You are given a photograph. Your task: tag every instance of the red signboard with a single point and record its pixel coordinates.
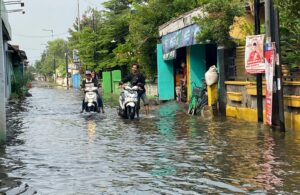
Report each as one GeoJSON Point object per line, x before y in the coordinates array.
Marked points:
{"type": "Point", "coordinates": [270, 63]}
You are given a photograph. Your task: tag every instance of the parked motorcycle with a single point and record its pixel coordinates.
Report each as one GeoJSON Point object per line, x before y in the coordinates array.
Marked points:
{"type": "Point", "coordinates": [128, 102]}
{"type": "Point", "coordinates": [90, 99]}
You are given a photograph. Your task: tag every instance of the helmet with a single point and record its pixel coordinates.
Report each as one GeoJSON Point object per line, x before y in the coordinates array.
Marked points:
{"type": "Point", "coordinates": [88, 72]}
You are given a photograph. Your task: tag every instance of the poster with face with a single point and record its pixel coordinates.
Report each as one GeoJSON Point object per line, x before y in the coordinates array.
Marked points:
{"type": "Point", "coordinates": [254, 54]}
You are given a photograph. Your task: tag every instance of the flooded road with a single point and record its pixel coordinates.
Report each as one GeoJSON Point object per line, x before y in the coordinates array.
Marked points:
{"type": "Point", "coordinates": [53, 149]}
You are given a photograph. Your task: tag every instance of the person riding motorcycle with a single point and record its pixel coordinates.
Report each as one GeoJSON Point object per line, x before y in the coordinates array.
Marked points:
{"type": "Point", "coordinates": [137, 79]}
{"type": "Point", "coordinates": [88, 82]}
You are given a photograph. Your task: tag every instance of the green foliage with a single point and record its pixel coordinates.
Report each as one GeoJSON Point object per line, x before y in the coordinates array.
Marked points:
{"type": "Point", "coordinates": [143, 37]}
{"type": "Point", "coordinates": [53, 58]}
{"type": "Point", "coordinates": [290, 31]}
{"type": "Point", "coordinates": [215, 27]}
{"type": "Point", "coordinates": [126, 32]}
{"type": "Point", "coordinates": [19, 83]}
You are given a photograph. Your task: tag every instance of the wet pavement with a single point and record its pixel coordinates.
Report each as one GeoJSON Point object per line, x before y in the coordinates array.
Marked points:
{"type": "Point", "coordinates": [53, 149]}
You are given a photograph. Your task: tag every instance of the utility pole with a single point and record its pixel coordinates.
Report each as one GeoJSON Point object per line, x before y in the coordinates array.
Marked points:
{"type": "Point", "coordinates": [67, 66]}
{"type": "Point", "coordinates": [54, 61]}
{"type": "Point", "coordinates": [94, 29]}
{"type": "Point", "coordinates": [260, 117]}
{"type": "Point", "coordinates": [78, 16]}
{"type": "Point", "coordinates": [267, 20]}
{"type": "Point", "coordinates": [279, 71]}
{"type": "Point", "coordinates": [272, 34]}
{"type": "Point", "coordinates": [78, 30]}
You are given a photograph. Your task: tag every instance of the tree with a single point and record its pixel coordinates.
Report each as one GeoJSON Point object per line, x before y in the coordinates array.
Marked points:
{"type": "Point", "coordinates": [101, 32]}
{"type": "Point", "coordinates": [220, 16]}
{"type": "Point", "coordinates": [125, 32]}
{"type": "Point", "coordinates": [52, 59]}
{"type": "Point", "coordinates": [145, 18]}
{"type": "Point", "coordinates": [290, 31]}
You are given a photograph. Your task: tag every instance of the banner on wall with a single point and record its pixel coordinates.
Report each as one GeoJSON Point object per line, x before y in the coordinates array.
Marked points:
{"type": "Point", "coordinates": [254, 54]}
{"type": "Point", "coordinates": [270, 53]}
{"type": "Point", "coordinates": [180, 38]}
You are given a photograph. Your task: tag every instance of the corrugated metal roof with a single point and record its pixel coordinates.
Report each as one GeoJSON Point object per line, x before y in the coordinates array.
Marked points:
{"type": "Point", "coordinates": [180, 22]}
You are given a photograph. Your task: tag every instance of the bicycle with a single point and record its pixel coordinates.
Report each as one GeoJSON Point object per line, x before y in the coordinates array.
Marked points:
{"type": "Point", "coordinates": [199, 98]}
{"type": "Point", "coordinates": [181, 92]}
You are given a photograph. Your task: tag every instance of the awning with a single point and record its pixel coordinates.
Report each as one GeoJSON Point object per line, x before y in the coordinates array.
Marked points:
{"type": "Point", "coordinates": [180, 38]}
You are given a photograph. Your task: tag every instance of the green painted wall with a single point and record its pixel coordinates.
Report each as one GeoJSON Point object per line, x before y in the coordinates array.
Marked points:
{"type": "Point", "coordinates": [165, 73]}
{"type": "Point", "coordinates": [116, 78]}
{"type": "Point", "coordinates": [197, 64]}
{"type": "Point", "coordinates": [107, 82]}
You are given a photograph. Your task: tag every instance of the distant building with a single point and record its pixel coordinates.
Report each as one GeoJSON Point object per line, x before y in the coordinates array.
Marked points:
{"type": "Point", "coordinates": [16, 65]}
{"type": "Point", "coordinates": [5, 36]}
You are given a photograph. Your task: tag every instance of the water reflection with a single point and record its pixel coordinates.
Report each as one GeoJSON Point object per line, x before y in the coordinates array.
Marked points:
{"type": "Point", "coordinates": [269, 175]}
{"type": "Point", "coordinates": [169, 153]}
{"type": "Point", "coordinates": [167, 119]}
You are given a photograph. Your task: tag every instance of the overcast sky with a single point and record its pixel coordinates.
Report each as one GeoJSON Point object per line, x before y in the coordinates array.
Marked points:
{"type": "Point", "coordinates": [58, 15]}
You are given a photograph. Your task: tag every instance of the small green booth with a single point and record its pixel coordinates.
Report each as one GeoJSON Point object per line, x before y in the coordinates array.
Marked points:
{"type": "Point", "coordinates": [179, 45]}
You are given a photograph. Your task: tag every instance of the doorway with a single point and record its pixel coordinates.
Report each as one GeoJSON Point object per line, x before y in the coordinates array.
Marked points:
{"type": "Point", "coordinates": [179, 73]}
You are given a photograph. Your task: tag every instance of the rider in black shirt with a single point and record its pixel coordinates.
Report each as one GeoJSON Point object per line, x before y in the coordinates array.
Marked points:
{"type": "Point", "coordinates": [90, 81]}
{"type": "Point", "coordinates": [137, 79]}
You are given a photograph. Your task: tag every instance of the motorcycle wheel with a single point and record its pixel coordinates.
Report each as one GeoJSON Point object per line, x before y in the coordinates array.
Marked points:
{"type": "Point", "coordinates": [137, 114]}
{"type": "Point", "coordinates": [194, 111]}
{"type": "Point", "coordinates": [119, 111]}
{"type": "Point", "coordinates": [130, 112]}
{"type": "Point", "coordinates": [191, 108]}
{"type": "Point", "coordinates": [88, 109]}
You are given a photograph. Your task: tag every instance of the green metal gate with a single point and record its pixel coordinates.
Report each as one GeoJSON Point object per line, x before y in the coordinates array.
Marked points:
{"type": "Point", "coordinates": [107, 82]}
{"type": "Point", "coordinates": [111, 81]}
{"type": "Point", "coordinates": [116, 78]}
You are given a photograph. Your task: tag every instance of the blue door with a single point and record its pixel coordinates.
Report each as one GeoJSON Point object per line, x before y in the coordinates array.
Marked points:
{"type": "Point", "coordinates": [165, 71]}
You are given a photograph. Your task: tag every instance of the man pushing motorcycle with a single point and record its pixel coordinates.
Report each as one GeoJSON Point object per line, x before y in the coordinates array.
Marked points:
{"type": "Point", "coordinates": [137, 79]}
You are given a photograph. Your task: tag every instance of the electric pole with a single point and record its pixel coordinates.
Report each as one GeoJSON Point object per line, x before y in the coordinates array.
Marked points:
{"type": "Point", "coordinates": [67, 65]}
{"type": "Point", "coordinates": [272, 34]}
{"type": "Point", "coordinates": [260, 117]}
{"type": "Point", "coordinates": [78, 16]}
{"type": "Point", "coordinates": [279, 71]}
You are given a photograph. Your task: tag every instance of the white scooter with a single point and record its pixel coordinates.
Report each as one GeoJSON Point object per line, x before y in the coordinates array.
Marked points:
{"type": "Point", "coordinates": [90, 99]}
{"type": "Point", "coordinates": [128, 102]}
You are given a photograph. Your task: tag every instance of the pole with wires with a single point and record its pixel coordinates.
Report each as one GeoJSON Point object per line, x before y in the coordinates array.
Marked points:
{"type": "Point", "coordinates": [67, 65]}
{"type": "Point", "coordinates": [78, 16]}
{"type": "Point", "coordinates": [258, 76]}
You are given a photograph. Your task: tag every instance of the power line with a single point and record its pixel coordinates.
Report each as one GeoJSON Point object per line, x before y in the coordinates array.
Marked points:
{"type": "Point", "coordinates": [34, 49]}
{"type": "Point", "coordinates": [39, 36]}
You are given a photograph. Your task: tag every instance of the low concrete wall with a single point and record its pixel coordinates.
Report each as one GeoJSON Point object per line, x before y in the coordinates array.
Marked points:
{"type": "Point", "coordinates": [63, 81]}
{"type": "Point", "coordinates": [242, 102]}
{"type": "Point", "coordinates": [151, 89]}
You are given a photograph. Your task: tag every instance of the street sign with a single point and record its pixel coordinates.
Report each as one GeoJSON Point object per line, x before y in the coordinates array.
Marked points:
{"type": "Point", "coordinates": [75, 56]}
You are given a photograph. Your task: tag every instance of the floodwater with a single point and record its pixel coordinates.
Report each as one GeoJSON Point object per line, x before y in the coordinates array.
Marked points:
{"type": "Point", "coordinates": [53, 149]}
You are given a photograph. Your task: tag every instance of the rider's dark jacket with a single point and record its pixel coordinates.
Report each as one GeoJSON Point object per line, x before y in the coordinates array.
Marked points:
{"type": "Point", "coordinates": [136, 80]}
{"type": "Point", "coordinates": [91, 83]}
